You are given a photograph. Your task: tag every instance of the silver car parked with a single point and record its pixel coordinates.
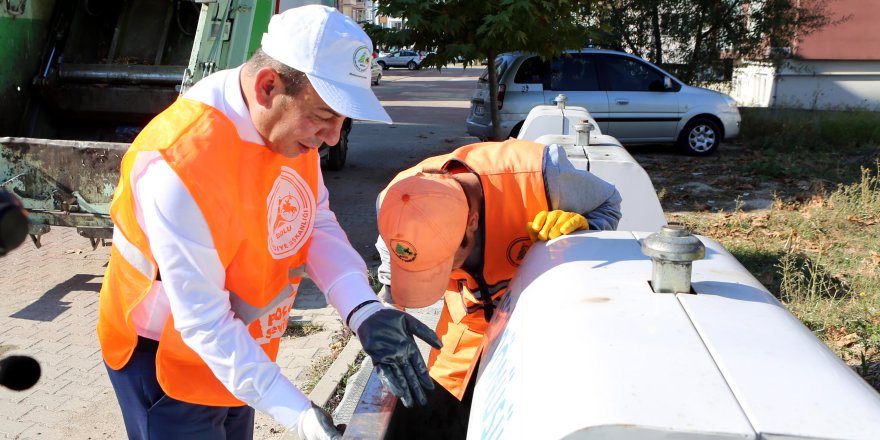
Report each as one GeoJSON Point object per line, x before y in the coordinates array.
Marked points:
{"type": "Point", "coordinates": [630, 98]}
{"type": "Point", "coordinates": [375, 72]}
{"type": "Point", "coordinates": [410, 59]}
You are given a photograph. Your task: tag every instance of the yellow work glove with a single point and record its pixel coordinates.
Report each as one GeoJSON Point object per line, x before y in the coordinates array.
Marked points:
{"type": "Point", "coordinates": [548, 225]}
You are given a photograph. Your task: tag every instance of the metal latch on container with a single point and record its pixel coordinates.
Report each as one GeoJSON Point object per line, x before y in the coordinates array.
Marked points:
{"type": "Point", "coordinates": [560, 100]}
{"type": "Point", "coordinates": [672, 250]}
{"type": "Point", "coordinates": [583, 130]}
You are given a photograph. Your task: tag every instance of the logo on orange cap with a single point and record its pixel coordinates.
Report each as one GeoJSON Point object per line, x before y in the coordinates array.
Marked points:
{"type": "Point", "coordinates": [404, 250]}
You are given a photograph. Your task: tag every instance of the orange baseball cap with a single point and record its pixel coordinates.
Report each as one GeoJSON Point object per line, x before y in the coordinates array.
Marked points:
{"type": "Point", "coordinates": [422, 220]}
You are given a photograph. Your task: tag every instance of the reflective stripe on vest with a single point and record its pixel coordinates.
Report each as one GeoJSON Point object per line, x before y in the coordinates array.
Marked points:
{"type": "Point", "coordinates": [248, 313]}
{"type": "Point", "coordinates": [495, 292]}
{"type": "Point", "coordinates": [132, 254]}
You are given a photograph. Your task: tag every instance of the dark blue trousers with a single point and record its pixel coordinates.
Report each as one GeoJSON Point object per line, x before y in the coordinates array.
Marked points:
{"type": "Point", "coordinates": [150, 414]}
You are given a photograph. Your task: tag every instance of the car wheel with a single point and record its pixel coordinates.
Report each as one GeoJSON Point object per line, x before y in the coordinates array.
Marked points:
{"type": "Point", "coordinates": [384, 66]}
{"type": "Point", "coordinates": [412, 65]}
{"type": "Point", "coordinates": [338, 153]}
{"type": "Point", "coordinates": [515, 132]}
{"type": "Point", "coordinates": [700, 137]}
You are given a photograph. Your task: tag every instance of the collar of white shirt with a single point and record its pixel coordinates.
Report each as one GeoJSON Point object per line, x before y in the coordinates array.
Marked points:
{"type": "Point", "coordinates": [222, 90]}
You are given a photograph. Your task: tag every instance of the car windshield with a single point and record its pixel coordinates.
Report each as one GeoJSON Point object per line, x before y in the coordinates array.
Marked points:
{"type": "Point", "coordinates": [501, 64]}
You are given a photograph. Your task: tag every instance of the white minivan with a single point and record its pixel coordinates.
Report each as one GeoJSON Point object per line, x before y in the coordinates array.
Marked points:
{"type": "Point", "coordinates": [630, 98]}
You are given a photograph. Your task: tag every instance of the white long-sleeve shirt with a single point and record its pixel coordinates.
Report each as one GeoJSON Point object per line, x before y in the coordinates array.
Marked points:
{"type": "Point", "coordinates": [193, 278]}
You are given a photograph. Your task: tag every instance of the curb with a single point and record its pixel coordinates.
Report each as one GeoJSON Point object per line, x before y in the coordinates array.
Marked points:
{"type": "Point", "coordinates": [326, 387]}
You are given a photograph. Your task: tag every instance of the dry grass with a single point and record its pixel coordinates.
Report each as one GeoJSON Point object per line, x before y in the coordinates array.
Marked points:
{"type": "Point", "coordinates": [301, 329]}
{"type": "Point", "coordinates": [339, 392]}
{"type": "Point", "coordinates": [820, 257]}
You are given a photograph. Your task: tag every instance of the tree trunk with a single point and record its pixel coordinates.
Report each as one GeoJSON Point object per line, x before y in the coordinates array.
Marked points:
{"type": "Point", "coordinates": [493, 95]}
{"type": "Point", "coordinates": [658, 43]}
{"type": "Point", "coordinates": [698, 46]}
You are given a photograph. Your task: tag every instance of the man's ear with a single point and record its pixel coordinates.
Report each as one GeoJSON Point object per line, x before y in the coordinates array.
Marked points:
{"type": "Point", "coordinates": [266, 85]}
{"type": "Point", "coordinates": [473, 220]}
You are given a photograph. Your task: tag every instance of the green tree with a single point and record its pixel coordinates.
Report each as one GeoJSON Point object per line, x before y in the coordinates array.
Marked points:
{"type": "Point", "coordinates": [703, 33]}
{"type": "Point", "coordinates": [471, 31]}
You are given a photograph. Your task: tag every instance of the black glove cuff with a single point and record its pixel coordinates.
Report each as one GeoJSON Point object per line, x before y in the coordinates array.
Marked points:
{"type": "Point", "coordinates": [358, 307]}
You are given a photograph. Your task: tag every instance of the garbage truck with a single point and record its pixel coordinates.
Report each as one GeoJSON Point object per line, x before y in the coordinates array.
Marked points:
{"type": "Point", "coordinates": [79, 79]}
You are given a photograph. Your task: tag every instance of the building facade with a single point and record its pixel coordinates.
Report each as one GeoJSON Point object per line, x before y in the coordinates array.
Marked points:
{"type": "Point", "coordinates": [835, 68]}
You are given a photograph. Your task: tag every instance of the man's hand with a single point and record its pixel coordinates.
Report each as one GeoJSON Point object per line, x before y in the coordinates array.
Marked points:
{"type": "Point", "coordinates": [387, 337]}
{"type": "Point", "coordinates": [549, 225]}
{"type": "Point", "coordinates": [316, 424]}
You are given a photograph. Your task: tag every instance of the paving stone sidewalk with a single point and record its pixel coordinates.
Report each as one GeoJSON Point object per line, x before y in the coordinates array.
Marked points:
{"type": "Point", "coordinates": [48, 310]}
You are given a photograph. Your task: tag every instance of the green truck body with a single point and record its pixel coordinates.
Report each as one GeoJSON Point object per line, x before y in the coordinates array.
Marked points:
{"type": "Point", "coordinates": [79, 79]}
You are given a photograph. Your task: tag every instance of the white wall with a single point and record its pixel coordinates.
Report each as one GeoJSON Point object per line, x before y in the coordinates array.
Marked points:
{"type": "Point", "coordinates": [753, 84]}
{"type": "Point", "coordinates": [808, 84]}
{"type": "Point", "coordinates": [829, 85]}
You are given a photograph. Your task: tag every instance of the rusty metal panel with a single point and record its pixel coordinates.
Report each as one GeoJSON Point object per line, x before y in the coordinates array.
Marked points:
{"type": "Point", "coordinates": [62, 183]}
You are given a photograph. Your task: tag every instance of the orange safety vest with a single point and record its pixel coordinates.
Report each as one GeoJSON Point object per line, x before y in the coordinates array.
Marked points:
{"type": "Point", "coordinates": [260, 208]}
{"type": "Point", "coordinates": [512, 180]}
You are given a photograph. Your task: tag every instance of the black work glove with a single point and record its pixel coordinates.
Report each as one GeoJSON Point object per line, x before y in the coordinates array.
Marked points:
{"type": "Point", "coordinates": [387, 337]}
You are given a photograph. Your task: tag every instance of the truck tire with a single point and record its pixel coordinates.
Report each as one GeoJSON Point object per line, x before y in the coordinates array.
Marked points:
{"type": "Point", "coordinates": [337, 154]}
{"type": "Point", "coordinates": [516, 128]}
{"type": "Point", "coordinates": [700, 137]}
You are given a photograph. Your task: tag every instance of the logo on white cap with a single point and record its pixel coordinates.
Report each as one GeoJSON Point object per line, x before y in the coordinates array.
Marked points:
{"type": "Point", "coordinates": [362, 58]}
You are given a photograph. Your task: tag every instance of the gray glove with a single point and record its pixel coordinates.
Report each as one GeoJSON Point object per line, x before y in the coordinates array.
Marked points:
{"type": "Point", "coordinates": [316, 424]}
{"type": "Point", "coordinates": [387, 337]}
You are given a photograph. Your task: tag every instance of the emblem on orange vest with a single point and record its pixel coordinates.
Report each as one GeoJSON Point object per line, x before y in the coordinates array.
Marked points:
{"type": "Point", "coordinates": [291, 214]}
{"type": "Point", "coordinates": [404, 250]}
{"type": "Point", "coordinates": [517, 250]}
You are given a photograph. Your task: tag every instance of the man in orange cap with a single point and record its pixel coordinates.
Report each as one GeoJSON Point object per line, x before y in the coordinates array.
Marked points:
{"type": "Point", "coordinates": [458, 225]}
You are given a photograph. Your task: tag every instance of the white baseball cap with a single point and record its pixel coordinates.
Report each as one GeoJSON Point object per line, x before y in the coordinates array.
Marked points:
{"type": "Point", "coordinates": [333, 51]}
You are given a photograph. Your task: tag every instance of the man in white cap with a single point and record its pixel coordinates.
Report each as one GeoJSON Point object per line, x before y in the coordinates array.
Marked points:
{"type": "Point", "coordinates": [220, 211]}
